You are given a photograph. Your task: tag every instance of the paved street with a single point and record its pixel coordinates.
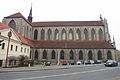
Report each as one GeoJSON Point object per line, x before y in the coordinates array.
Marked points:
{"type": "Point", "coordinates": [95, 72]}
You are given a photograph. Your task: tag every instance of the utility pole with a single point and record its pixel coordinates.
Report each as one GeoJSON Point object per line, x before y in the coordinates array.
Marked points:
{"type": "Point", "coordinates": [9, 35]}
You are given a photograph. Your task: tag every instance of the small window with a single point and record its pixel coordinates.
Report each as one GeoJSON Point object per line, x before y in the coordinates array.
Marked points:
{"type": "Point", "coordinates": [25, 50]}
{"type": "Point", "coordinates": [3, 45]}
{"type": "Point", "coordinates": [21, 49]}
{"type": "Point", "coordinates": [11, 47]}
{"type": "Point", "coordinates": [16, 48]}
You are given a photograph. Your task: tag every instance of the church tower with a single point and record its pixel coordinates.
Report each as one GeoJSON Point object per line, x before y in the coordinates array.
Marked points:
{"type": "Point", "coordinates": [30, 15]}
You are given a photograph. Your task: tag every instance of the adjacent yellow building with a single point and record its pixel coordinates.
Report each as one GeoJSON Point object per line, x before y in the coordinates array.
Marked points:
{"type": "Point", "coordinates": [18, 45]}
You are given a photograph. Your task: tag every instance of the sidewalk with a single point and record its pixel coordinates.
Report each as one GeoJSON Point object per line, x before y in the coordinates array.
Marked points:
{"type": "Point", "coordinates": [39, 67]}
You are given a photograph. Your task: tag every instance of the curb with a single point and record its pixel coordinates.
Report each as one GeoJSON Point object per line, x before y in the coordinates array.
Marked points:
{"type": "Point", "coordinates": [28, 69]}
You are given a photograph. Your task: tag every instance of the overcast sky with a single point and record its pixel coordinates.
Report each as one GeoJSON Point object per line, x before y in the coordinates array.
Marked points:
{"type": "Point", "coordinates": [67, 10]}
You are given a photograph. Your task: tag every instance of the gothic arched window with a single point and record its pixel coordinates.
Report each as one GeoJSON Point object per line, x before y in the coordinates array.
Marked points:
{"type": "Point", "coordinates": [80, 55]}
{"type": "Point", "coordinates": [86, 36]}
{"type": "Point", "coordinates": [93, 34]}
{"type": "Point", "coordinates": [42, 34]}
{"type": "Point", "coordinates": [49, 34]}
{"type": "Point", "coordinates": [62, 54]}
{"type": "Point", "coordinates": [44, 55]}
{"type": "Point", "coordinates": [35, 34]}
{"type": "Point", "coordinates": [56, 35]}
{"type": "Point", "coordinates": [36, 55]}
{"type": "Point", "coordinates": [71, 55]}
{"type": "Point", "coordinates": [100, 34]}
{"type": "Point", "coordinates": [109, 55]}
{"type": "Point", "coordinates": [71, 36]}
{"type": "Point", "coordinates": [64, 36]}
{"type": "Point", "coordinates": [12, 24]}
{"type": "Point", "coordinates": [99, 55]}
{"type": "Point", "coordinates": [53, 55]}
{"type": "Point", "coordinates": [90, 55]}
{"type": "Point", "coordinates": [78, 34]}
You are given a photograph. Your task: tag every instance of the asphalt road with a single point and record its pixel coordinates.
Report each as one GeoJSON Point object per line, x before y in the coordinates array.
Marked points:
{"type": "Point", "coordinates": [96, 72]}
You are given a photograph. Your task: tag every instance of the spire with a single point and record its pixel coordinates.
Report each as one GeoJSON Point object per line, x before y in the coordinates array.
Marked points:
{"type": "Point", "coordinates": [101, 17]}
{"type": "Point", "coordinates": [114, 42]}
{"type": "Point", "coordinates": [30, 15]}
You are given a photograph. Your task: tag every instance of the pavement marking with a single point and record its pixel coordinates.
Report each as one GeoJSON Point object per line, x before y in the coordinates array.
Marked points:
{"type": "Point", "coordinates": [42, 77]}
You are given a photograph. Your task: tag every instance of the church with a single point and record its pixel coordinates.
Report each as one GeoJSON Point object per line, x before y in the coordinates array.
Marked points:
{"type": "Point", "coordinates": [57, 41]}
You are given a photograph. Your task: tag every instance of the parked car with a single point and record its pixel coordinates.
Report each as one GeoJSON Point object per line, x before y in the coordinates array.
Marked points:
{"type": "Point", "coordinates": [71, 62]}
{"type": "Point", "coordinates": [86, 62]}
{"type": "Point", "coordinates": [91, 61]}
{"type": "Point", "coordinates": [78, 62]}
{"type": "Point", "coordinates": [97, 62]}
{"type": "Point", "coordinates": [64, 63]}
{"type": "Point", "coordinates": [111, 63]}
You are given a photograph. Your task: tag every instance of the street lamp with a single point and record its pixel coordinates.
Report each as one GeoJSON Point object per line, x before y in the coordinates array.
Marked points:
{"type": "Point", "coordinates": [9, 35]}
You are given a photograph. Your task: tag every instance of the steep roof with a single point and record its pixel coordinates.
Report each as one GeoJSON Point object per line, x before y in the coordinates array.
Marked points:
{"type": "Point", "coordinates": [18, 15]}
{"type": "Point", "coordinates": [81, 44]}
{"type": "Point", "coordinates": [68, 23]}
{"type": "Point", "coordinates": [3, 26]}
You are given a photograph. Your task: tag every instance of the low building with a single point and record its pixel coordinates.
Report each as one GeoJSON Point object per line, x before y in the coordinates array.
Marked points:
{"type": "Point", "coordinates": [14, 46]}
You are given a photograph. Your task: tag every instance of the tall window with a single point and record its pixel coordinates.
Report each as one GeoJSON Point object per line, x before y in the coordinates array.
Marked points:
{"type": "Point", "coordinates": [49, 34]}
{"type": "Point", "coordinates": [86, 36]}
{"type": "Point", "coordinates": [71, 55]}
{"type": "Point", "coordinates": [100, 34]}
{"type": "Point", "coordinates": [21, 49]}
{"type": "Point", "coordinates": [64, 36]}
{"type": "Point", "coordinates": [12, 24]}
{"type": "Point", "coordinates": [90, 55]}
{"type": "Point", "coordinates": [80, 55]}
{"type": "Point", "coordinates": [78, 34]}
{"type": "Point", "coordinates": [62, 54]}
{"type": "Point", "coordinates": [16, 48]}
{"type": "Point", "coordinates": [42, 34]}
{"type": "Point", "coordinates": [44, 54]}
{"type": "Point", "coordinates": [53, 55]}
{"type": "Point", "coordinates": [71, 36]}
{"type": "Point", "coordinates": [109, 55]}
{"type": "Point", "coordinates": [3, 45]}
{"type": "Point", "coordinates": [99, 54]}
{"type": "Point", "coordinates": [93, 34]}
{"type": "Point", "coordinates": [56, 35]}
{"type": "Point", "coordinates": [11, 47]}
{"type": "Point", "coordinates": [36, 55]}
{"type": "Point", "coordinates": [35, 34]}
{"type": "Point", "coordinates": [25, 50]}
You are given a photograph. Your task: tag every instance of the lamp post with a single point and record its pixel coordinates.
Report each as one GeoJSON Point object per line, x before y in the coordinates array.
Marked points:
{"type": "Point", "coordinates": [9, 35]}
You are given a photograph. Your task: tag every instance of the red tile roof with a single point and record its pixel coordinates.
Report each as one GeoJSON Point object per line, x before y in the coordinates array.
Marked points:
{"type": "Point", "coordinates": [23, 39]}
{"type": "Point", "coordinates": [68, 23]}
{"type": "Point", "coordinates": [3, 26]}
{"type": "Point", "coordinates": [81, 44]}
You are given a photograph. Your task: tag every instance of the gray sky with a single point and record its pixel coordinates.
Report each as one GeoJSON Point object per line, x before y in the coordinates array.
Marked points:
{"type": "Point", "coordinates": [67, 10]}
